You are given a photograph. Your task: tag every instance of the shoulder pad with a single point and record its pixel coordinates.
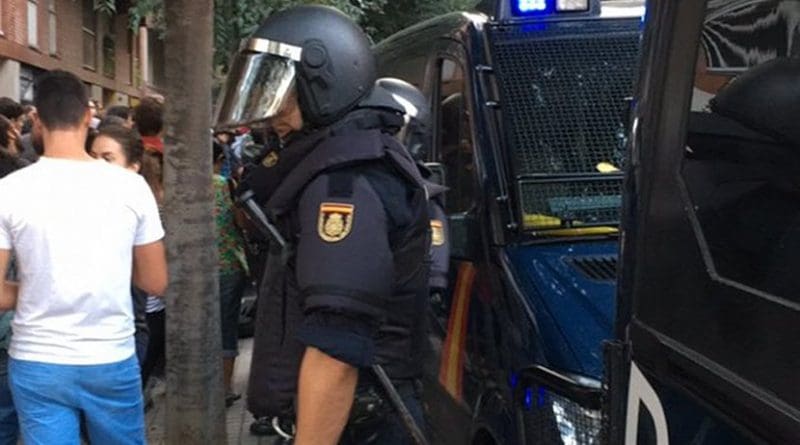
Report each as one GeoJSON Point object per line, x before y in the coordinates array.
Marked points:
{"type": "Point", "coordinates": [343, 149]}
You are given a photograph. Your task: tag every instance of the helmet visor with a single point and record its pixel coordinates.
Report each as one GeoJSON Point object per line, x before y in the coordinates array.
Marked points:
{"type": "Point", "coordinates": [256, 89]}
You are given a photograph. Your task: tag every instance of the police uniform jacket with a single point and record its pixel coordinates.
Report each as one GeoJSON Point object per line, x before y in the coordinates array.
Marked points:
{"type": "Point", "coordinates": [354, 281]}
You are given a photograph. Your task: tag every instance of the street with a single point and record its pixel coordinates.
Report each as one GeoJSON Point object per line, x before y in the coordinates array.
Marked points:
{"type": "Point", "coordinates": [238, 419]}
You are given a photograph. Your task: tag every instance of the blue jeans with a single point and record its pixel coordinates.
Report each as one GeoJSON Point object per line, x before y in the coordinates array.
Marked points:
{"type": "Point", "coordinates": [9, 428]}
{"type": "Point", "coordinates": [50, 399]}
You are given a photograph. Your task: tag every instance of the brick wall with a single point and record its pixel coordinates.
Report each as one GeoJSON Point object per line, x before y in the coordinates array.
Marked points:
{"type": "Point", "coordinates": [14, 20]}
{"type": "Point", "coordinates": [69, 42]}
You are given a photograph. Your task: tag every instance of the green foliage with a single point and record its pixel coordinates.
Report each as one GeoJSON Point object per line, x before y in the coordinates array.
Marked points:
{"type": "Point", "coordinates": [236, 19]}
{"type": "Point", "coordinates": [400, 14]}
{"type": "Point", "coordinates": [108, 7]}
{"type": "Point", "coordinates": [143, 8]}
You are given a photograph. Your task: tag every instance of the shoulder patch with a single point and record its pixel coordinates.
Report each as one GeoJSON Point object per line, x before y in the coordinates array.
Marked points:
{"type": "Point", "coordinates": [335, 221]}
{"type": "Point", "coordinates": [437, 232]}
{"type": "Point", "coordinates": [271, 159]}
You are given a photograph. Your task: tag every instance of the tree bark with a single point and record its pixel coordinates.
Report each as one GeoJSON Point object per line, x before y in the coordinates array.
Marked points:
{"type": "Point", "coordinates": [195, 400]}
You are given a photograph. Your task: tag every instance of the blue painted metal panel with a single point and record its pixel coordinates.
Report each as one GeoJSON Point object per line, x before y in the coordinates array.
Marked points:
{"type": "Point", "coordinates": [574, 312]}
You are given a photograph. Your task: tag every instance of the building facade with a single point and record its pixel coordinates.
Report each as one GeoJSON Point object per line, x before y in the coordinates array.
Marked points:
{"type": "Point", "coordinates": [41, 35]}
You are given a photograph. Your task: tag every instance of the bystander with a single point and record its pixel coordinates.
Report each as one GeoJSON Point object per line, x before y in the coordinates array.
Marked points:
{"type": "Point", "coordinates": [232, 270]}
{"type": "Point", "coordinates": [9, 430]}
{"type": "Point", "coordinates": [149, 119]}
{"type": "Point", "coordinates": [81, 230]}
{"type": "Point", "coordinates": [121, 146]}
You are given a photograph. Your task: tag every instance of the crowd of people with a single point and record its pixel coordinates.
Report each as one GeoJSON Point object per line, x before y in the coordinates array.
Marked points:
{"type": "Point", "coordinates": [341, 229]}
{"type": "Point", "coordinates": [82, 327]}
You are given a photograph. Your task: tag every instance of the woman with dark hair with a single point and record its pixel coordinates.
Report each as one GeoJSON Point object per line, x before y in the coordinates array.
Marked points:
{"type": "Point", "coordinates": [118, 145]}
{"type": "Point", "coordinates": [123, 147]}
{"type": "Point", "coordinates": [9, 161]}
{"type": "Point", "coordinates": [9, 148]}
{"type": "Point", "coordinates": [152, 171]}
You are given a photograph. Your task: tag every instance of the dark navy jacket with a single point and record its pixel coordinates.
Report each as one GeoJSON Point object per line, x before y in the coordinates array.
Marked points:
{"type": "Point", "coordinates": [355, 285]}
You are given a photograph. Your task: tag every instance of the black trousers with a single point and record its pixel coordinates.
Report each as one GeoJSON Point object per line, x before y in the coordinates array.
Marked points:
{"type": "Point", "coordinates": [156, 347]}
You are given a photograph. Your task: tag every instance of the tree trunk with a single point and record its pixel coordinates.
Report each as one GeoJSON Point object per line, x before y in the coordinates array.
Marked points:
{"type": "Point", "coordinates": [195, 400]}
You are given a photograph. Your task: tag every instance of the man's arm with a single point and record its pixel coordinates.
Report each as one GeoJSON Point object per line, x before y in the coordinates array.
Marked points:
{"type": "Point", "coordinates": [150, 268]}
{"type": "Point", "coordinates": [344, 272]}
{"type": "Point", "coordinates": [8, 292]}
{"type": "Point", "coordinates": [325, 396]}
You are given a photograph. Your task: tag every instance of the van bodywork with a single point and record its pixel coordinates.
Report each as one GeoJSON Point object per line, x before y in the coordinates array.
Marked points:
{"type": "Point", "coordinates": [706, 354]}
{"type": "Point", "coordinates": [516, 344]}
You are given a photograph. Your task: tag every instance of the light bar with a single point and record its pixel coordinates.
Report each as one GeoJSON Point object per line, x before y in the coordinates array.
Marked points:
{"type": "Point", "coordinates": [532, 6]}
{"type": "Point", "coordinates": [572, 5]}
{"type": "Point", "coordinates": [544, 8]}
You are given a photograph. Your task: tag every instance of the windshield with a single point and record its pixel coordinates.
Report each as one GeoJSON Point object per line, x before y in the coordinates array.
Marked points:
{"type": "Point", "coordinates": [564, 87]}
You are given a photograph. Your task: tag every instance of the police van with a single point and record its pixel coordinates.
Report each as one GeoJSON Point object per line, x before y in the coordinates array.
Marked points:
{"type": "Point", "coordinates": [708, 349]}
{"type": "Point", "coordinates": [529, 99]}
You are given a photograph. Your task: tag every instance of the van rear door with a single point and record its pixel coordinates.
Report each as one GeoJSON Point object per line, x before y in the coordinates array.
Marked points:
{"type": "Point", "coordinates": [710, 204]}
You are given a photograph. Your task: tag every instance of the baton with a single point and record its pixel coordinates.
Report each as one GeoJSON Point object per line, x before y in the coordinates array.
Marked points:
{"type": "Point", "coordinates": [397, 401]}
{"type": "Point", "coordinates": [264, 226]}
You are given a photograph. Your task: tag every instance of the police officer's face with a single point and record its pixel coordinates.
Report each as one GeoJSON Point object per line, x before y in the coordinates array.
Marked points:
{"type": "Point", "coordinates": [289, 119]}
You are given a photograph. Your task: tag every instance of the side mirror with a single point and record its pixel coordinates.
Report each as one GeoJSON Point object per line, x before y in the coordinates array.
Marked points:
{"type": "Point", "coordinates": [438, 173]}
{"type": "Point", "coordinates": [465, 240]}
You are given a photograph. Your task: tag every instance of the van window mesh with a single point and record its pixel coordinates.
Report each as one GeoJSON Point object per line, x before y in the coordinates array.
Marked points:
{"type": "Point", "coordinates": [571, 202]}
{"type": "Point", "coordinates": [563, 88]}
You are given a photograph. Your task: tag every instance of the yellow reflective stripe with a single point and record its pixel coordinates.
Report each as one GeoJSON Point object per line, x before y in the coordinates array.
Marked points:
{"type": "Point", "coordinates": [451, 370]}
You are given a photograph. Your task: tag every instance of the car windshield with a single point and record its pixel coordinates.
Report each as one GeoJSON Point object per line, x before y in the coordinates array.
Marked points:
{"type": "Point", "coordinates": [563, 88]}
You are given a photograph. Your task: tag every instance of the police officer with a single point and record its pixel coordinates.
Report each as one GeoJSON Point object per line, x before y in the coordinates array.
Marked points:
{"type": "Point", "coordinates": [345, 284]}
{"type": "Point", "coordinates": [417, 136]}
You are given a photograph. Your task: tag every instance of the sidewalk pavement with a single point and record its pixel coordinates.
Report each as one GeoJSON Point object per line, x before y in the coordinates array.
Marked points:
{"type": "Point", "coordinates": [238, 419]}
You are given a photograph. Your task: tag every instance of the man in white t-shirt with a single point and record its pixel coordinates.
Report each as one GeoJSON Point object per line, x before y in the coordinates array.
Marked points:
{"type": "Point", "coordinates": [81, 229]}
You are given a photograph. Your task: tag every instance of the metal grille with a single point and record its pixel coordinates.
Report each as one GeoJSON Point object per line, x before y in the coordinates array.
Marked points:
{"type": "Point", "coordinates": [563, 88]}
{"type": "Point", "coordinates": [555, 420]}
{"type": "Point", "coordinates": [600, 268]}
{"type": "Point", "coordinates": [571, 203]}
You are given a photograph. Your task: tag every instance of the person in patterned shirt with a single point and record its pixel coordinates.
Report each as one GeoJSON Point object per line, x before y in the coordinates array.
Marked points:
{"type": "Point", "coordinates": [232, 270]}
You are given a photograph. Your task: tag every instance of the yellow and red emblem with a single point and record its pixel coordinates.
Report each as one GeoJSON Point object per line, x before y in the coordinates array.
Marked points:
{"type": "Point", "coordinates": [437, 232]}
{"type": "Point", "coordinates": [335, 221]}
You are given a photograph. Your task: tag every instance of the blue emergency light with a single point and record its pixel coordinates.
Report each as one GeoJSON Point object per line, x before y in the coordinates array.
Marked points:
{"type": "Point", "coordinates": [548, 7]}
{"type": "Point", "coordinates": [532, 5]}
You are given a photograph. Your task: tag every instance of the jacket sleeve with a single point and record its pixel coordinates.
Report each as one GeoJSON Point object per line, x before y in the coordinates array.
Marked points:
{"type": "Point", "coordinates": [344, 266]}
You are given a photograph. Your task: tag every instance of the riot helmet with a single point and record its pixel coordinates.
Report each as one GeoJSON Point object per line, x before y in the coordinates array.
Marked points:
{"type": "Point", "coordinates": [766, 99]}
{"type": "Point", "coordinates": [416, 133]}
{"type": "Point", "coordinates": [315, 51]}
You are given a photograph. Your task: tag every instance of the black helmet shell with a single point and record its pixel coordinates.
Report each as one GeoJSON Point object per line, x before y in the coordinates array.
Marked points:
{"type": "Point", "coordinates": [337, 67]}
{"type": "Point", "coordinates": [766, 99]}
{"type": "Point", "coordinates": [412, 95]}
{"type": "Point", "coordinates": [419, 121]}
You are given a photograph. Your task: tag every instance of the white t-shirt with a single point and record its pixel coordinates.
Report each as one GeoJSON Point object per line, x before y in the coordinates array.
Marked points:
{"type": "Point", "coordinates": [73, 226]}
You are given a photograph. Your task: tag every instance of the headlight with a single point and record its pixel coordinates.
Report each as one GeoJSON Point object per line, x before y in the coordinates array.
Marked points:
{"type": "Point", "coordinates": [576, 425]}
{"type": "Point", "coordinates": [552, 419]}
